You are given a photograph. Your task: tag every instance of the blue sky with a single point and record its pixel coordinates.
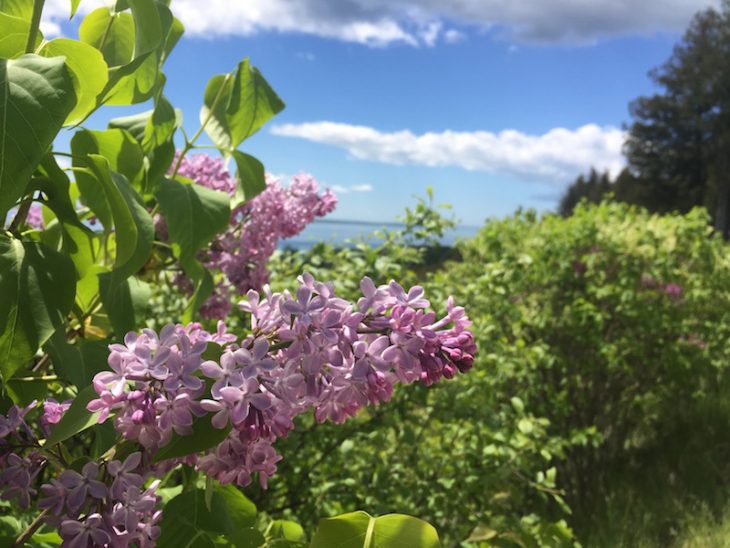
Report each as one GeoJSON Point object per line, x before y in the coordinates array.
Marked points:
{"type": "Point", "coordinates": [495, 105]}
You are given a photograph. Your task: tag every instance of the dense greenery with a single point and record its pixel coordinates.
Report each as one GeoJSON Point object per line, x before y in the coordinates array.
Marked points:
{"type": "Point", "coordinates": [596, 411]}
{"type": "Point", "coordinates": [599, 397]}
{"type": "Point", "coordinates": [80, 249]}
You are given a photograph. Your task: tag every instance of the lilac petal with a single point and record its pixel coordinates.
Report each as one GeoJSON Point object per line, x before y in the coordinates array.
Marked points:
{"type": "Point", "coordinates": [132, 461]}
{"type": "Point", "coordinates": [260, 348]}
{"type": "Point", "coordinates": [97, 489]}
{"type": "Point", "coordinates": [239, 413]}
{"type": "Point", "coordinates": [90, 470]}
{"type": "Point", "coordinates": [77, 496]}
{"type": "Point", "coordinates": [99, 537]}
{"type": "Point", "coordinates": [71, 527]}
{"type": "Point", "coordinates": [212, 405]}
{"type": "Point", "coordinates": [220, 419]}
{"type": "Point", "coordinates": [261, 401]}
{"type": "Point", "coordinates": [211, 369]}
{"type": "Point", "coordinates": [230, 394]}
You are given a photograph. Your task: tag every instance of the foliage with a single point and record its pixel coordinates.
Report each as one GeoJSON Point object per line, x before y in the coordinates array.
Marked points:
{"type": "Point", "coordinates": [77, 257]}
{"type": "Point", "coordinates": [599, 396]}
{"type": "Point", "coordinates": [613, 325]}
{"type": "Point", "coordinates": [470, 460]}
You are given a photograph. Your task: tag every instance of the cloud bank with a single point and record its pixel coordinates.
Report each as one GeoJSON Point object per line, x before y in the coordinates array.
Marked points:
{"type": "Point", "coordinates": [424, 22]}
{"type": "Point", "coordinates": [555, 157]}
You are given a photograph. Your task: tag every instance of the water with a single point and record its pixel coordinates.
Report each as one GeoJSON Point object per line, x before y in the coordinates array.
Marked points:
{"type": "Point", "coordinates": [338, 232]}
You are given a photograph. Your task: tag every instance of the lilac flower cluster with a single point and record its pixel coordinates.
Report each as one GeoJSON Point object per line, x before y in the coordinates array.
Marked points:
{"type": "Point", "coordinates": [20, 462]}
{"type": "Point", "coordinates": [256, 227]}
{"type": "Point", "coordinates": [99, 505]}
{"type": "Point", "coordinates": [671, 289]}
{"type": "Point", "coordinates": [105, 505]}
{"type": "Point", "coordinates": [311, 350]}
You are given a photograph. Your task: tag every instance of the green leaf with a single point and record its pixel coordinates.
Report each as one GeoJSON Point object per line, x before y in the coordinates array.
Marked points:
{"type": "Point", "coordinates": [188, 522]}
{"type": "Point", "coordinates": [204, 437]}
{"type": "Point", "coordinates": [155, 137]}
{"type": "Point", "coordinates": [360, 530]}
{"type": "Point", "coordinates": [134, 229]}
{"type": "Point", "coordinates": [127, 42]}
{"type": "Point", "coordinates": [236, 105]}
{"type": "Point", "coordinates": [56, 189]}
{"type": "Point", "coordinates": [251, 177]}
{"type": "Point", "coordinates": [14, 35]}
{"type": "Point", "coordinates": [177, 29]}
{"type": "Point", "coordinates": [113, 34]}
{"type": "Point", "coordinates": [194, 215]}
{"type": "Point", "coordinates": [76, 419]}
{"type": "Point", "coordinates": [74, 7]}
{"type": "Point", "coordinates": [37, 286]}
{"type": "Point", "coordinates": [161, 125]}
{"type": "Point", "coordinates": [118, 146]}
{"type": "Point", "coordinates": [25, 391]}
{"type": "Point", "coordinates": [126, 303]}
{"type": "Point", "coordinates": [148, 34]}
{"type": "Point", "coordinates": [79, 362]}
{"type": "Point", "coordinates": [36, 96]}
{"type": "Point", "coordinates": [88, 69]}
{"type": "Point", "coordinates": [17, 8]}
{"type": "Point", "coordinates": [287, 530]}
{"type": "Point", "coordinates": [241, 510]}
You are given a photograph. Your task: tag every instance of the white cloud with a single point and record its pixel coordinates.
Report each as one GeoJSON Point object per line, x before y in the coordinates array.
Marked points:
{"type": "Point", "coordinates": [453, 36]}
{"type": "Point", "coordinates": [555, 157]}
{"type": "Point", "coordinates": [423, 22]}
{"type": "Point", "coordinates": [340, 189]}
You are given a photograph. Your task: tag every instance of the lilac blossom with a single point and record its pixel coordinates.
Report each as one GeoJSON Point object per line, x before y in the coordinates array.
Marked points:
{"type": "Point", "coordinates": [241, 253]}
{"type": "Point", "coordinates": [307, 351]}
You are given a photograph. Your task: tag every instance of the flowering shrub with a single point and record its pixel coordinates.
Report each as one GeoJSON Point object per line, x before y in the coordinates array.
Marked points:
{"type": "Point", "coordinates": [308, 351]}
{"type": "Point", "coordinates": [129, 414]}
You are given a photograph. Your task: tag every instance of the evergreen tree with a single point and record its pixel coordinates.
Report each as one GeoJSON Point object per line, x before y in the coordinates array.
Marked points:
{"type": "Point", "coordinates": [678, 148]}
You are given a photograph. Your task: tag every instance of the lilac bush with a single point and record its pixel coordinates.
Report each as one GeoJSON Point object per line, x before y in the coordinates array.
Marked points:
{"type": "Point", "coordinates": [306, 351]}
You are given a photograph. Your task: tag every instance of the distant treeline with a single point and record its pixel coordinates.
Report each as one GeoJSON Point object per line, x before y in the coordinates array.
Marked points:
{"type": "Point", "coordinates": [678, 145]}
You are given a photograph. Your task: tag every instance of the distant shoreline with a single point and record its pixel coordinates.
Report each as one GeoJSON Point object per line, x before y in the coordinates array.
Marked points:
{"type": "Point", "coordinates": [342, 232]}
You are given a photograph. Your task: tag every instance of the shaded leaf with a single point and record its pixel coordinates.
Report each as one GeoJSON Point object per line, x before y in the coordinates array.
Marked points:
{"type": "Point", "coordinates": [79, 362]}
{"type": "Point", "coordinates": [37, 286]}
{"type": "Point", "coordinates": [251, 177]}
{"type": "Point", "coordinates": [126, 303]}
{"type": "Point", "coordinates": [133, 225]}
{"type": "Point", "coordinates": [204, 437]}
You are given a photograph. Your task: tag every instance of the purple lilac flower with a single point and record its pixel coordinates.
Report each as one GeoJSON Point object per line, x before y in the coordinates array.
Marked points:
{"type": "Point", "coordinates": [240, 254]}
{"type": "Point", "coordinates": [308, 351]}
{"type": "Point", "coordinates": [35, 217]}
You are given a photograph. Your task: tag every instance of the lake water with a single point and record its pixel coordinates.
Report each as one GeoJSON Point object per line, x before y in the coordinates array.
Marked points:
{"type": "Point", "coordinates": [340, 232]}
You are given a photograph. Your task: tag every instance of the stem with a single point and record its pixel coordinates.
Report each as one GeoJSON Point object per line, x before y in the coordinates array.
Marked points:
{"type": "Point", "coordinates": [21, 215]}
{"type": "Point", "coordinates": [108, 28]}
{"type": "Point", "coordinates": [190, 143]}
{"type": "Point", "coordinates": [35, 23]}
{"type": "Point", "coordinates": [41, 363]}
{"type": "Point", "coordinates": [32, 528]}
{"type": "Point", "coordinates": [40, 378]}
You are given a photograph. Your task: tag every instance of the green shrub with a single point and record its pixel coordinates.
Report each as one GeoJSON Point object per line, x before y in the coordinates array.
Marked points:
{"type": "Point", "coordinates": [614, 325]}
